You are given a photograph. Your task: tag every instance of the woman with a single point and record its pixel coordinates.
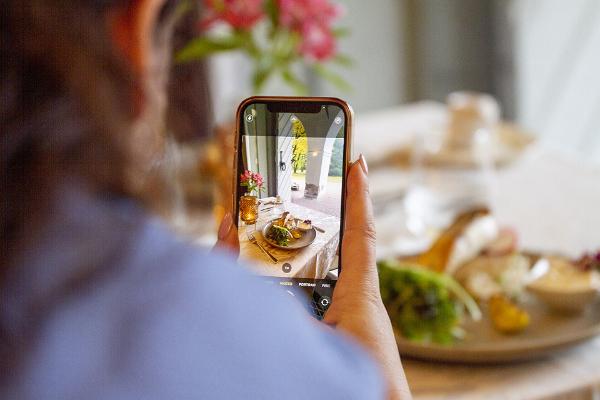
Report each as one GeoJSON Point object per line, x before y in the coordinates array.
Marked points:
{"type": "Point", "coordinates": [98, 298]}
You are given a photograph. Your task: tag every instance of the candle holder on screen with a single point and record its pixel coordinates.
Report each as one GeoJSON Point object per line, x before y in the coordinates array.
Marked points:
{"type": "Point", "coordinates": [249, 209]}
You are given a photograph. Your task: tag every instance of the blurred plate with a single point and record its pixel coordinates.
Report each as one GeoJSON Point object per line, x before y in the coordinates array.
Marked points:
{"type": "Point", "coordinates": [306, 240]}
{"type": "Point", "coordinates": [548, 333]}
{"type": "Point", "coordinates": [511, 142]}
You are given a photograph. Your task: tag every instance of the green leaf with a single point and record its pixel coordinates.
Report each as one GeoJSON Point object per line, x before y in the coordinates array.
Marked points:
{"type": "Point", "coordinates": [260, 77]}
{"type": "Point", "coordinates": [296, 84]}
{"type": "Point", "coordinates": [272, 11]}
{"type": "Point", "coordinates": [205, 46]}
{"type": "Point", "coordinates": [332, 77]}
{"type": "Point", "coordinates": [441, 279]}
{"type": "Point", "coordinates": [344, 60]}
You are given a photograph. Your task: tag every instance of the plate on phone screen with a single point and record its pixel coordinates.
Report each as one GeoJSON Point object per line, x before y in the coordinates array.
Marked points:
{"type": "Point", "coordinates": [305, 240]}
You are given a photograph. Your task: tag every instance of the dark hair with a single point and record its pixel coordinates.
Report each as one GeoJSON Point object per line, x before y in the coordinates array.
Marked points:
{"type": "Point", "coordinates": [66, 108]}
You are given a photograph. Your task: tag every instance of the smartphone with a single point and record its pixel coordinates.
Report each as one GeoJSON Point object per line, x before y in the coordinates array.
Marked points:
{"type": "Point", "coordinates": [291, 162]}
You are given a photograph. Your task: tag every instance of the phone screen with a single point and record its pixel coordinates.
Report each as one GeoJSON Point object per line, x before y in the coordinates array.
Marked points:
{"type": "Point", "coordinates": [291, 159]}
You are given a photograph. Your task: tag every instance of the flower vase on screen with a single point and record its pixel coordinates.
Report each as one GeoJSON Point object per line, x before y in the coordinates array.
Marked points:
{"type": "Point", "coordinates": [253, 183]}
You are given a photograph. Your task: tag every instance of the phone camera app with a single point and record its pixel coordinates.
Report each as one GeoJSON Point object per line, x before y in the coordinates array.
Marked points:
{"type": "Point", "coordinates": [289, 197]}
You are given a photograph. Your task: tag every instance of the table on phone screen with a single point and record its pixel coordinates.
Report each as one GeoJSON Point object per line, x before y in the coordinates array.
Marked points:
{"type": "Point", "coordinates": [313, 261]}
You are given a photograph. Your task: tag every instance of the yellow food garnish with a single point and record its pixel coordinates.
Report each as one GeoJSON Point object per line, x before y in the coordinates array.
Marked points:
{"type": "Point", "coordinates": [506, 316]}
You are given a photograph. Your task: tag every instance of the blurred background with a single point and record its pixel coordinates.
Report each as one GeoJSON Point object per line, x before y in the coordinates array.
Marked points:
{"type": "Point", "coordinates": [539, 58]}
{"type": "Point", "coordinates": [486, 186]}
{"type": "Point", "coordinates": [480, 120]}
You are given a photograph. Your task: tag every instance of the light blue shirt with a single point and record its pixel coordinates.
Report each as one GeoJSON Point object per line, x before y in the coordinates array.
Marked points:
{"type": "Point", "coordinates": [107, 303]}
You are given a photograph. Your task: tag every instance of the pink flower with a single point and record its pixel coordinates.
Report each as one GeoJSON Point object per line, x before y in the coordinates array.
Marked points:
{"type": "Point", "coordinates": [240, 14]}
{"type": "Point", "coordinates": [312, 19]}
{"type": "Point", "coordinates": [295, 13]}
{"type": "Point", "coordinates": [246, 176]}
{"type": "Point", "coordinates": [317, 43]}
{"type": "Point", "coordinates": [258, 179]}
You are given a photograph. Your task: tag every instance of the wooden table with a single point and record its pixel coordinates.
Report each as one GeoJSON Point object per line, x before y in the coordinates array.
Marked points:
{"type": "Point", "coordinates": [311, 262]}
{"type": "Point", "coordinates": [571, 375]}
{"type": "Point", "coordinates": [554, 204]}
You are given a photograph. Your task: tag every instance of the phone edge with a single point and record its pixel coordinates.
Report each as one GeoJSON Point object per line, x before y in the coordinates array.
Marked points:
{"type": "Point", "coordinates": [349, 123]}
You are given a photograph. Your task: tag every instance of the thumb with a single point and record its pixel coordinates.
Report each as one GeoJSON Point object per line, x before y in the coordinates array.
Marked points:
{"type": "Point", "coordinates": [358, 246]}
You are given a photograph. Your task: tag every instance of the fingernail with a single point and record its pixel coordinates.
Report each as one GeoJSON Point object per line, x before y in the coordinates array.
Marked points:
{"type": "Point", "coordinates": [363, 164]}
{"type": "Point", "coordinates": [225, 226]}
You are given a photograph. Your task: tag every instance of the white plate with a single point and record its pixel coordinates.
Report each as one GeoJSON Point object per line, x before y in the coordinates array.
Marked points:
{"type": "Point", "coordinates": [307, 238]}
{"type": "Point", "coordinates": [547, 333]}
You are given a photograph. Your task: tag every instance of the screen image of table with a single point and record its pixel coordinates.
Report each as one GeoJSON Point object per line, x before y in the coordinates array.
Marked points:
{"type": "Point", "coordinates": [291, 167]}
{"type": "Point", "coordinates": [314, 261]}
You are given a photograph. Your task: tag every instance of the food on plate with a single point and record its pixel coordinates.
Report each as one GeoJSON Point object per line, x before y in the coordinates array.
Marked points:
{"type": "Point", "coordinates": [485, 259]}
{"type": "Point", "coordinates": [280, 235]}
{"type": "Point", "coordinates": [304, 225]}
{"type": "Point", "coordinates": [565, 286]}
{"type": "Point", "coordinates": [480, 255]}
{"type": "Point", "coordinates": [479, 233]}
{"type": "Point", "coordinates": [424, 305]}
{"type": "Point", "coordinates": [287, 228]}
{"type": "Point", "coordinates": [464, 239]}
{"type": "Point", "coordinates": [564, 276]}
{"type": "Point", "coordinates": [505, 243]}
{"type": "Point", "coordinates": [486, 276]}
{"type": "Point", "coordinates": [283, 220]}
{"type": "Point", "coordinates": [589, 262]}
{"type": "Point", "coordinates": [506, 316]}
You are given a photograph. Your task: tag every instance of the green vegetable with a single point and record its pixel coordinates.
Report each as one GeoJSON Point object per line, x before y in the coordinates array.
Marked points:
{"type": "Point", "coordinates": [279, 235]}
{"type": "Point", "coordinates": [424, 305]}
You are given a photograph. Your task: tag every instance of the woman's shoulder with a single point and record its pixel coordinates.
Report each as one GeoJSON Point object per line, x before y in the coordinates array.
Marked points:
{"type": "Point", "coordinates": [145, 311]}
{"type": "Point", "coordinates": [228, 331]}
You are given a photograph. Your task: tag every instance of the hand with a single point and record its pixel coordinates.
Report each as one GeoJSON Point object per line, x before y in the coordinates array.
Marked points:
{"type": "Point", "coordinates": [228, 239]}
{"type": "Point", "coordinates": [356, 307]}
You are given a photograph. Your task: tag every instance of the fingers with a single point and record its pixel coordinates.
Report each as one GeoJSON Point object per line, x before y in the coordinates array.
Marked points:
{"type": "Point", "coordinates": [228, 237]}
{"type": "Point", "coordinates": [358, 202]}
{"type": "Point", "coordinates": [358, 247]}
{"type": "Point", "coordinates": [358, 283]}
